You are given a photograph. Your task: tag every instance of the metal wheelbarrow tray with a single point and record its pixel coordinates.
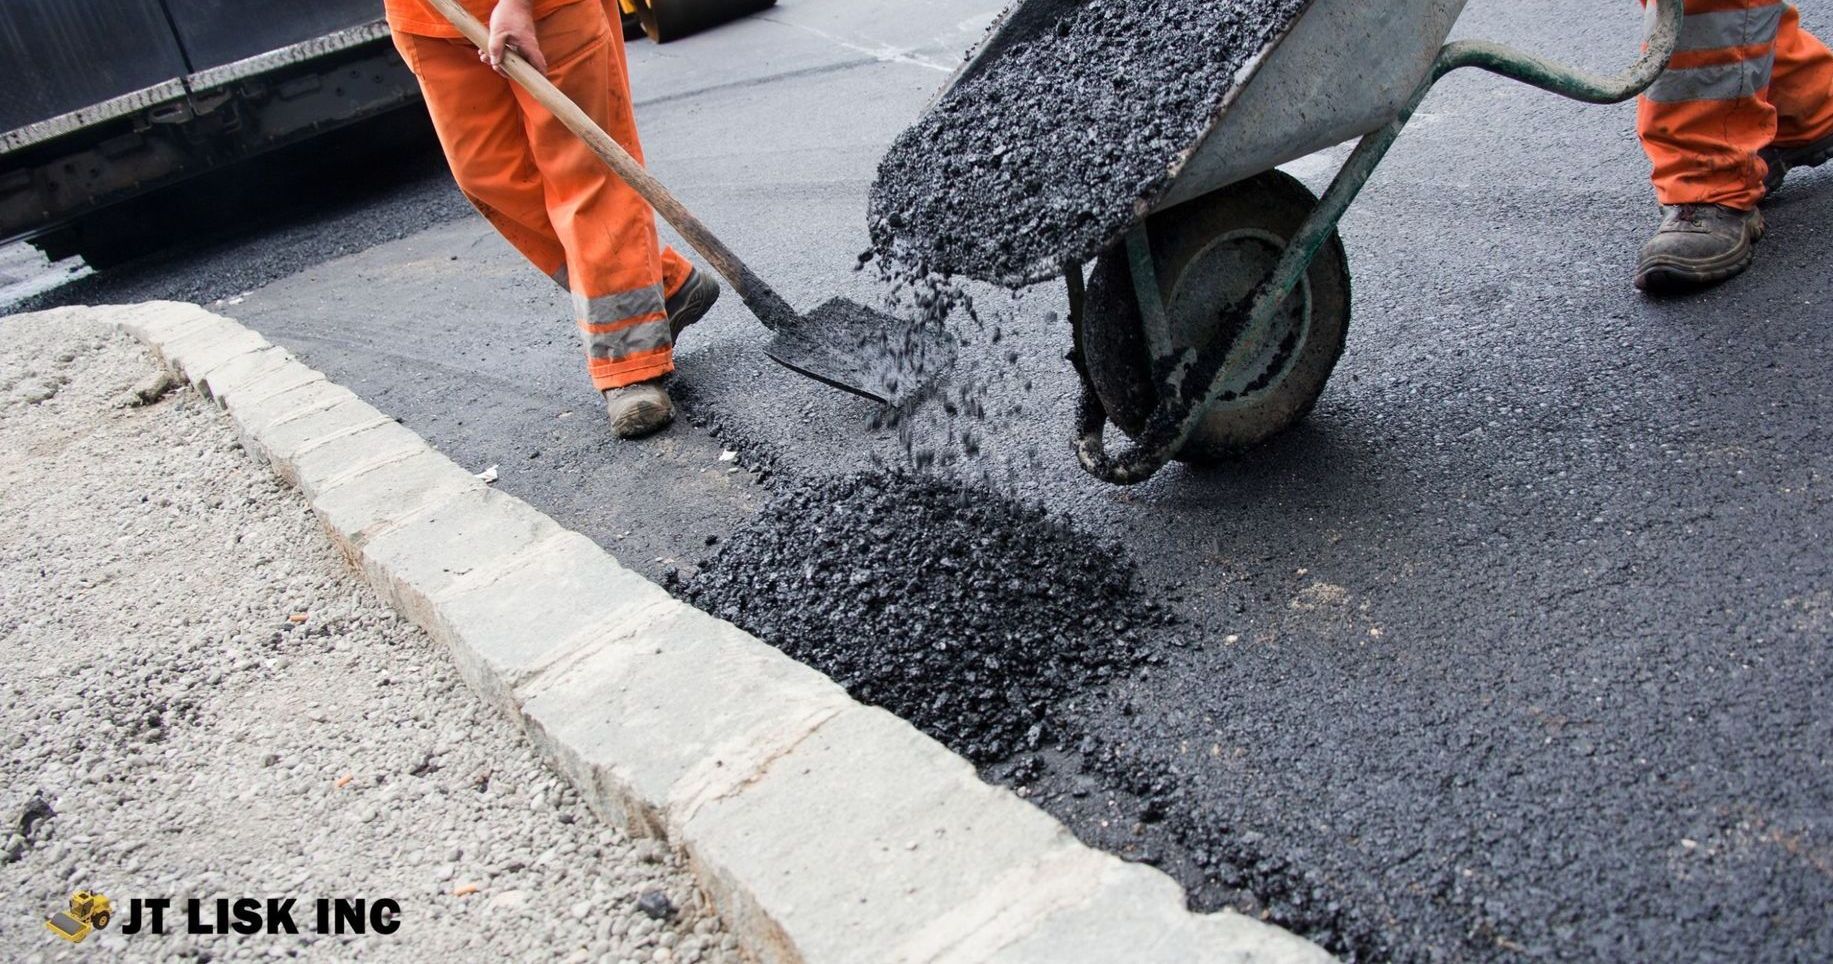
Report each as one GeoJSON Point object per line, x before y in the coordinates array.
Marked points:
{"type": "Point", "coordinates": [1214, 320]}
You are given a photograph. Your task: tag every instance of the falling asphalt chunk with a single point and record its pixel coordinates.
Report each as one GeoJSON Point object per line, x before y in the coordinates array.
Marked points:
{"type": "Point", "coordinates": [656, 905]}
{"type": "Point", "coordinates": [31, 828]}
{"type": "Point", "coordinates": [1041, 154]}
{"type": "Point", "coordinates": [966, 613]}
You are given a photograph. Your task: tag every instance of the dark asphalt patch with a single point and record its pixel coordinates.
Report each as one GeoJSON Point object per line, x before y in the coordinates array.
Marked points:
{"type": "Point", "coordinates": [273, 216]}
{"type": "Point", "coordinates": [1223, 864]}
{"type": "Point", "coordinates": [970, 615]}
{"type": "Point", "coordinates": [1140, 806]}
{"type": "Point", "coordinates": [1041, 155]}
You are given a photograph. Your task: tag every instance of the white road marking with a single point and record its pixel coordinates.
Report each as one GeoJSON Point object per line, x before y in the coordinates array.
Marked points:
{"type": "Point", "coordinates": [889, 53]}
{"type": "Point", "coordinates": [24, 272]}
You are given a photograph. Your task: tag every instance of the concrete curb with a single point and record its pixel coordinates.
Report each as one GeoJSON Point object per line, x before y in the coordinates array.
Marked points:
{"type": "Point", "coordinates": [823, 830]}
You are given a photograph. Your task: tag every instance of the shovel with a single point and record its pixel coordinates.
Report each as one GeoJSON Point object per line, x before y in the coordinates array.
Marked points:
{"type": "Point", "coordinates": [841, 343]}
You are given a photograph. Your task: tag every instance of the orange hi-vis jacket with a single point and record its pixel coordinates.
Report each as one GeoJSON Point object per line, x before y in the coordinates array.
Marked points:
{"type": "Point", "coordinates": [421, 19]}
{"type": "Point", "coordinates": [542, 189]}
{"type": "Point", "coordinates": [1746, 77]}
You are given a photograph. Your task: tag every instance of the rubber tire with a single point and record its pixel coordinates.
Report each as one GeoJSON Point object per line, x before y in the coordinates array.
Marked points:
{"type": "Point", "coordinates": [666, 20]}
{"type": "Point", "coordinates": [633, 26]}
{"type": "Point", "coordinates": [1113, 339]}
{"type": "Point", "coordinates": [106, 239]}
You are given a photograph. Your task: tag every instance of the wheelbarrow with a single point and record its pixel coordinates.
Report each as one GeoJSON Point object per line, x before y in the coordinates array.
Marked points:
{"type": "Point", "coordinates": [1214, 320]}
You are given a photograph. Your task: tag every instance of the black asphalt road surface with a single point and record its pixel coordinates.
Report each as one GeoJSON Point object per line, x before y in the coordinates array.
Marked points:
{"type": "Point", "coordinates": [1517, 650]}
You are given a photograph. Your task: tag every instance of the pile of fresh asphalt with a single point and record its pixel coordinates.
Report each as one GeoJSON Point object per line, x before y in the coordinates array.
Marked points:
{"type": "Point", "coordinates": [1041, 154]}
{"type": "Point", "coordinates": [968, 614]}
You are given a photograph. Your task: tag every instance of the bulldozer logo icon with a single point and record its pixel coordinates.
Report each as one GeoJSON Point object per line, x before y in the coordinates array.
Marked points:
{"type": "Point", "coordinates": [89, 911]}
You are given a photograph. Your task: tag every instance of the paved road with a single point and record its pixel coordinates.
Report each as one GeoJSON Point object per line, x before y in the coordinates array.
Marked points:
{"type": "Point", "coordinates": [1517, 650]}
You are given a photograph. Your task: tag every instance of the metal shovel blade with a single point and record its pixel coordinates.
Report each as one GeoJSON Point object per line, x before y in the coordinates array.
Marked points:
{"type": "Point", "coordinates": [870, 353]}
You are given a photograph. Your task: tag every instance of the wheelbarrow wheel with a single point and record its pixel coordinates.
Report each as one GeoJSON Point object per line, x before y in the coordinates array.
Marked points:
{"type": "Point", "coordinates": [1210, 254]}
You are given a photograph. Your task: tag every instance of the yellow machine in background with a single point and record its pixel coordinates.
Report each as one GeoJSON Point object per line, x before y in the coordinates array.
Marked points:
{"type": "Point", "coordinates": [665, 20]}
{"type": "Point", "coordinates": [89, 911]}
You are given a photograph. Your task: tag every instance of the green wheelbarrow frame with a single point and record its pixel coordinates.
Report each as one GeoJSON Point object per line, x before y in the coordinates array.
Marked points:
{"type": "Point", "coordinates": [1191, 381]}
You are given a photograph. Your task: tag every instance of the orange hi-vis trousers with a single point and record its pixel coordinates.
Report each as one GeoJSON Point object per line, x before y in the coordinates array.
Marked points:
{"type": "Point", "coordinates": [1746, 77]}
{"type": "Point", "coordinates": [548, 194]}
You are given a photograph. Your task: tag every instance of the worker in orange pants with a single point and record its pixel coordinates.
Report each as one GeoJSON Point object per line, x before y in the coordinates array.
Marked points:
{"type": "Point", "coordinates": [549, 195]}
{"type": "Point", "coordinates": [1747, 97]}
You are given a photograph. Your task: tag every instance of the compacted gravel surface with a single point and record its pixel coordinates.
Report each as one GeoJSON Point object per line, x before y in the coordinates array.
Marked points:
{"type": "Point", "coordinates": [200, 700]}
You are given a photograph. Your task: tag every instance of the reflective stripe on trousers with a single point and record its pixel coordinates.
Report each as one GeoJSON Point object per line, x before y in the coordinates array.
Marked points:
{"type": "Point", "coordinates": [1720, 38]}
{"type": "Point", "coordinates": [623, 325]}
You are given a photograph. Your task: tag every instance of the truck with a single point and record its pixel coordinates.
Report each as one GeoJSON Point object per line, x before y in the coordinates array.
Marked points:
{"type": "Point", "coordinates": [106, 101]}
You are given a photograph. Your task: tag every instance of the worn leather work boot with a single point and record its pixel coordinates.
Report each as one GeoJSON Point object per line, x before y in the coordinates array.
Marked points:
{"type": "Point", "coordinates": [1698, 245]}
{"type": "Point", "coordinates": [1782, 160]}
{"type": "Point", "coordinates": [691, 303]}
{"type": "Point", "coordinates": [639, 410]}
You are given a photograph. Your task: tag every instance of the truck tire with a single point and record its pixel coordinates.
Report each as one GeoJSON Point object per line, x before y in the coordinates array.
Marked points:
{"type": "Point", "coordinates": [104, 240]}
{"type": "Point", "coordinates": [666, 20]}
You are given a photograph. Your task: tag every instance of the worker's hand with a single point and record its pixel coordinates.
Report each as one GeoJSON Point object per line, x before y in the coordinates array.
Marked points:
{"type": "Point", "coordinates": [512, 27]}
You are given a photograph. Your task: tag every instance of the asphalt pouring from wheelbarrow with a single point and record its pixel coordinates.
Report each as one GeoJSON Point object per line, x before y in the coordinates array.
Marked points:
{"type": "Point", "coordinates": [1051, 142]}
{"type": "Point", "coordinates": [1095, 110]}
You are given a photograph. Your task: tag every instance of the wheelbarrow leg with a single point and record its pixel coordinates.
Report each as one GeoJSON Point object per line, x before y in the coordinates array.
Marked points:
{"type": "Point", "coordinates": [1151, 299]}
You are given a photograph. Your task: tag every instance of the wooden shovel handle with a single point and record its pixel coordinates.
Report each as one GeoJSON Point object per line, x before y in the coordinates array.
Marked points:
{"type": "Point", "coordinates": [764, 302]}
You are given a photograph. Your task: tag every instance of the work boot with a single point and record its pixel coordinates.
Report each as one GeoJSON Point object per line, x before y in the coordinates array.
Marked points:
{"type": "Point", "coordinates": [1698, 245]}
{"type": "Point", "coordinates": [690, 304]}
{"type": "Point", "coordinates": [639, 410]}
{"type": "Point", "coordinates": [1782, 160]}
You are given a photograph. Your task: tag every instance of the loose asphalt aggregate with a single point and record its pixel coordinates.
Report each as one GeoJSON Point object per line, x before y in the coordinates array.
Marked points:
{"type": "Point", "coordinates": [1043, 152]}
{"type": "Point", "coordinates": [203, 701]}
{"type": "Point", "coordinates": [1517, 649]}
{"type": "Point", "coordinates": [967, 614]}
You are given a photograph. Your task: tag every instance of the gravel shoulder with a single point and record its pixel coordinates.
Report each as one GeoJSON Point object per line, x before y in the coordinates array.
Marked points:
{"type": "Point", "coordinates": [201, 700]}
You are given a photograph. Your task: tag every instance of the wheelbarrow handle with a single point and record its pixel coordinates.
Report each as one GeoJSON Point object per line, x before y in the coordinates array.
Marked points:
{"type": "Point", "coordinates": [1658, 49]}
